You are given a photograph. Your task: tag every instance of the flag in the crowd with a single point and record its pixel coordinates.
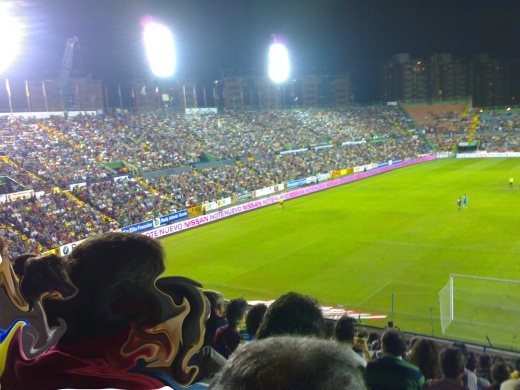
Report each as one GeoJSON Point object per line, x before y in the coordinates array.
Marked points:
{"type": "Point", "coordinates": [143, 90]}
{"type": "Point", "coordinates": [27, 89]}
{"type": "Point", "coordinates": [133, 92]}
{"type": "Point", "coordinates": [194, 93]}
{"type": "Point", "coordinates": [8, 87]}
{"type": "Point", "coordinates": [157, 90]}
{"type": "Point", "coordinates": [43, 89]}
{"type": "Point", "coordinates": [119, 89]}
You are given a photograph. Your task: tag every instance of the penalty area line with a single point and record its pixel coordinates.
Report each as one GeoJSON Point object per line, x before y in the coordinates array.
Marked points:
{"type": "Point", "coordinates": [374, 293]}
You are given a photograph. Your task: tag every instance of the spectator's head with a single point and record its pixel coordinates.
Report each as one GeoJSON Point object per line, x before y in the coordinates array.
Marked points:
{"type": "Point", "coordinates": [472, 362]}
{"type": "Point", "coordinates": [46, 276]}
{"type": "Point", "coordinates": [345, 329]}
{"type": "Point", "coordinates": [292, 314]}
{"type": "Point", "coordinates": [463, 349]}
{"type": "Point", "coordinates": [216, 301]}
{"type": "Point", "coordinates": [452, 362]}
{"type": "Point", "coordinates": [289, 363]}
{"type": "Point", "coordinates": [19, 263]}
{"type": "Point", "coordinates": [119, 296]}
{"type": "Point", "coordinates": [373, 336]}
{"type": "Point", "coordinates": [235, 311]}
{"type": "Point", "coordinates": [425, 355]}
{"type": "Point", "coordinates": [393, 342]}
{"type": "Point", "coordinates": [485, 362]}
{"type": "Point", "coordinates": [500, 372]}
{"type": "Point", "coordinates": [254, 317]}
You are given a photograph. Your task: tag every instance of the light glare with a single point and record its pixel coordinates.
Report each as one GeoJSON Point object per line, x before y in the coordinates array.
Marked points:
{"type": "Point", "coordinates": [160, 50]}
{"type": "Point", "coordinates": [11, 32]}
{"type": "Point", "coordinates": [278, 63]}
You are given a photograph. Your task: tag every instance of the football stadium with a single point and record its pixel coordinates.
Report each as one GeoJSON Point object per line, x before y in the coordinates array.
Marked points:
{"type": "Point", "coordinates": [164, 239]}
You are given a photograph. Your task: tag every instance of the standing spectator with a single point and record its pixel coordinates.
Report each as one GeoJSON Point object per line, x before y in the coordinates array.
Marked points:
{"type": "Point", "coordinates": [253, 319]}
{"type": "Point", "coordinates": [227, 338]}
{"type": "Point", "coordinates": [471, 365]}
{"type": "Point", "coordinates": [452, 364]}
{"type": "Point", "coordinates": [469, 379]}
{"type": "Point", "coordinates": [345, 333]}
{"type": "Point", "coordinates": [216, 319]}
{"type": "Point", "coordinates": [425, 355]}
{"type": "Point", "coordinates": [500, 372]}
{"type": "Point", "coordinates": [390, 371]}
{"type": "Point", "coordinates": [484, 367]}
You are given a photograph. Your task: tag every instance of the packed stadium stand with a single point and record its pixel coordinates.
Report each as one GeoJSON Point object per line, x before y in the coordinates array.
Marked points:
{"type": "Point", "coordinates": [185, 160]}
{"type": "Point", "coordinates": [167, 161]}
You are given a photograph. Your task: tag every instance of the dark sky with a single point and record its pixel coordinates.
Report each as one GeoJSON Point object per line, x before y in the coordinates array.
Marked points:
{"type": "Point", "coordinates": [323, 36]}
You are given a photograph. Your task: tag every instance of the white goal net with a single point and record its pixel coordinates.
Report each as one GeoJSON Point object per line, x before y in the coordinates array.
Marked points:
{"type": "Point", "coordinates": [481, 310]}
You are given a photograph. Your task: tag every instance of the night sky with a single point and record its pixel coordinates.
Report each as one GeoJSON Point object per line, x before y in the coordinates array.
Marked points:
{"type": "Point", "coordinates": [217, 36]}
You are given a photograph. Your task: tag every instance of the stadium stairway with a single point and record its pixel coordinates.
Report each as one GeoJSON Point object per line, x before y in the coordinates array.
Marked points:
{"type": "Point", "coordinates": [473, 128]}
{"type": "Point", "coordinates": [7, 160]}
{"type": "Point", "coordinates": [20, 234]}
{"type": "Point", "coordinates": [59, 135]}
{"type": "Point", "coordinates": [156, 192]}
{"type": "Point", "coordinates": [396, 125]}
{"type": "Point", "coordinates": [105, 218]}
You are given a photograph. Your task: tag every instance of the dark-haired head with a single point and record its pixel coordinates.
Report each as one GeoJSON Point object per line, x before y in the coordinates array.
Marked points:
{"type": "Point", "coordinates": [345, 329]}
{"type": "Point", "coordinates": [452, 362]}
{"type": "Point", "coordinates": [254, 317]}
{"type": "Point", "coordinates": [235, 311]}
{"type": "Point", "coordinates": [292, 314]}
{"type": "Point", "coordinates": [45, 276]}
{"type": "Point", "coordinates": [19, 263]}
{"type": "Point", "coordinates": [393, 342]}
{"type": "Point", "coordinates": [115, 275]}
{"type": "Point", "coordinates": [425, 355]}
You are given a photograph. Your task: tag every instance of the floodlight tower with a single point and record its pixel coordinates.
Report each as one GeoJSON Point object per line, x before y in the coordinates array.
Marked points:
{"type": "Point", "coordinates": [66, 68]}
{"type": "Point", "coordinates": [279, 67]}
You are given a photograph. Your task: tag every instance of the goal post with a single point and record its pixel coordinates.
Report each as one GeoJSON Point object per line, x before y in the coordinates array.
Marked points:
{"type": "Point", "coordinates": [481, 310]}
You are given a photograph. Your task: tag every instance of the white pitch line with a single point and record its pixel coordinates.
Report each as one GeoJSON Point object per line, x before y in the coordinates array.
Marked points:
{"type": "Point", "coordinates": [374, 293]}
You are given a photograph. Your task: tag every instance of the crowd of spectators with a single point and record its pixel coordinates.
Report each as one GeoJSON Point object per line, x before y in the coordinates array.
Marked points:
{"type": "Point", "coordinates": [57, 152]}
{"type": "Point", "coordinates": [386, 359]}
{"type": "Point", "coordinates": [51, 220]}
{"type": "Point", "coordinates": [73, 149]}
{"type": "Point", "coordinates": [499, 131]}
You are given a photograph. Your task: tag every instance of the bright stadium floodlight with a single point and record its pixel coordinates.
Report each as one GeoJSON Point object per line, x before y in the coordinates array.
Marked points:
{"type": "Point", "coordinates": [11, 34]}
{"type": "Point", "coordinates": [160, 50]}
{"type": "Point", "coordinates": [279, 67]}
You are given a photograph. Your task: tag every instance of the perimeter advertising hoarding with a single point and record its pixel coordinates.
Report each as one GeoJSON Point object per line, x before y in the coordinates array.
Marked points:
{"type": "Point", "coordinates": [152, 223]}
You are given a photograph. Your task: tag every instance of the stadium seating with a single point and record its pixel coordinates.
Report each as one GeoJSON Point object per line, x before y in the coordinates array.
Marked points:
{"type": "Point", "coordinates": [201, 158]}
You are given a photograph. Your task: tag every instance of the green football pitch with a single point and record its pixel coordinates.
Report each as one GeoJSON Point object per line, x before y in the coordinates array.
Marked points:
{"type": "Point", "coordinates": [399, 233]}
